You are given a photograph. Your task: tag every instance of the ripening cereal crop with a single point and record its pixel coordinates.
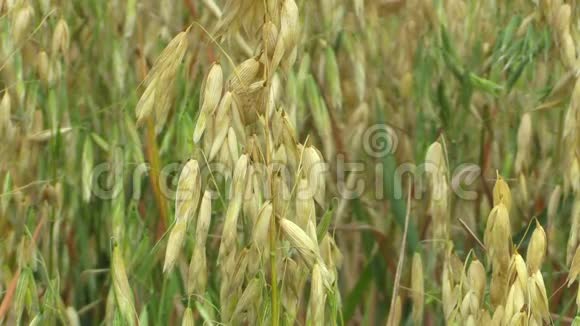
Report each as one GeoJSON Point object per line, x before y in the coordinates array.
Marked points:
{"type": "Point", "coordinates": [289, 162]}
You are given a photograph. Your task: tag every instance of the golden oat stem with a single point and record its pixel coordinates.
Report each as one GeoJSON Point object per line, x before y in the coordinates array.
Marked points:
{"type": "Point", "coordinates": [464, 225]}
{"type": "Point", "coordinates": [525, 233]}
{"type": "Point", "coordinates": [152, 152]}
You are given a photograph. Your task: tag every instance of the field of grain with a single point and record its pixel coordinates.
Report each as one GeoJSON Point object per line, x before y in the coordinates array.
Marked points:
{"type": "Point", "coordinates": [289, 162]}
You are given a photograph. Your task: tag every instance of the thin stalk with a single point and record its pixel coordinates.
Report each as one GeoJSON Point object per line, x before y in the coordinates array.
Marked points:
{"type": "Point", "coordinates": [273, 236]}
{"type": "Point", "coordinates": [401, 261]}
{"type": "Point", "coordinates": [152, 154]}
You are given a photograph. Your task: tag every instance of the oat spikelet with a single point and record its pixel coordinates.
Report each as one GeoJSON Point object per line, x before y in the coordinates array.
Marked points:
{"type": "Point", "coordinates": [188, 318]}
{"type": "Point", "coordinates": [314, 171]}
{"type": "Point", "coordinates": [22, 22]}
{"type": "Point", "coordinates": [524, 143]}
{"type": "Point", "coordinates": [222, 124]}
{"type": "Point", "coordinates": [574, 228]}
{"type": "Point", "coordinates": [186, 202]}
{"type": "Point", "coordinates": [6, 127]}
{"type": "Point", "coordinates": [536, 249]}
{"type": "Point", "coordinates": [574, 268]}
{"type": "Point", "coordinates": [121, 287]}
{"type": "Point", "coordinates": [418, 289]}
{"type": "Point", "coordinates": [332, 73]}
{"type": "Point", "coordinates": [197, 277]}
{"type": "Point", "coordinates": [300, 240]}
{"type": "Point", "coordinates": [517, 271]}
{"type": "Point", "coordinates": [538, 296]}
{"type": "Point", "coordinates": [502, 193]}
{"type": "Point", "coordinates": [156, 99]}
{"type": "Point", "coordinates": [497, 237]}
{"type": "Point", "coordinates": [231, 220]}
{"type": "Point", "coordinates": [212, 94]}
{"type": "Point", "coordinates": [436, 165]}
{"type": "Point", "coordinates": [61, 37]}
{"type": "Point", "coordinates": [317, 298]}
{"type": "Point", "coordinates": [514, 302]}
{"type": "Point", "coordinates": [250, 297]}
{"type": "Point", "coordinates": [261, 227]}
{"type": "Point", "coordinates": [476, 277]}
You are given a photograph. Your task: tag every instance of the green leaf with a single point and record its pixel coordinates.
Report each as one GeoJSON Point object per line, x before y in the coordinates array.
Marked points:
{"type": "Point", "coordinates": [324, 223]}
{"type": "Point", "coordinates": [393, 189]}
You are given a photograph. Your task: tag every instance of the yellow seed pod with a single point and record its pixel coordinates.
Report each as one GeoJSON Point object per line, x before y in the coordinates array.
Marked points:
{"type": "Point", "coordinates": [188, 318]}
{"type": "Point", "coordinates": [523, 187]}
{"type": "Point", "coordinates": [573, 176]}
{"type": "Point", "coordinates": [574, 268]}
{"type": "Point", "coordinates": [436, 157]}
{"type": "Point", "coordinates": [314, 171]}
{"type": "Point", "coordinates": [6, 128]}
{"type": "Point", "coordinates": [229, 231]}
{"type": "Point", "coordinates": [121, 287]}
{"type": "Point", "coordinates": [517, 271]}
{"type": "Point", "coordinates": [567, 50]}
{"type": "Point", "coordinates": [212, 93]}
{"type": "Point", "coordinates": [174, 244]}
{"type": "Point", "coordinates": [553, 204]}
{"type": "Point", "coordinates": [300, 240]}
{"type": "Point", "coordinates": [329, 251]}
{"type": "Point", "coordinates": [204, 219]}
{"type": "Point", "coordinates": [262, 225]}
{"type": "Point", "coordinates": [477, 278]}
{"type": "Point", "coordinates": [563, 18]}
{"type": "Point", "coordinates": [250, 296]}
{"type": "Point", "coordinates": [536, 249]}
{"type": "Point", "coordinates": [514, 302]}
{"type": "Point", "coordinates": [289, 23]}
{"type": "Point", "coordinates": [197, 276]}
{"type": "Point", "coordinates": [269, 36]}
{"type": "Point", "coordinates": [418, 288]}
{"type": "Point", "coordinates": [188, 192]}
{"type": "Point", "coordinates": [60, 37]}
{"type": "Point", "coordinates": [317, 297]}
{"type": "Point", "coordinates": [502, 193]}
{"type": "Point", "coordinates": [538, 297]}
{"type": "Point", "coordinates": [497, 236]}
{"type": "Point", "coordinates": [244, 75]}
{"type": "Point", "coordinates": [305, 208]}
{"type": "Point", "coordinates": [44, 69]}
{"type": "Point", "coordinates": [221, 120]}
{"type": "Point", "coordinates": [22, 22]}
{"type": "Point", "coordinates": [524, 142]}
{"type": "Point", "coordinates": [518, 318]}
{"type": "Point", "coordinates": [469, 304]}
